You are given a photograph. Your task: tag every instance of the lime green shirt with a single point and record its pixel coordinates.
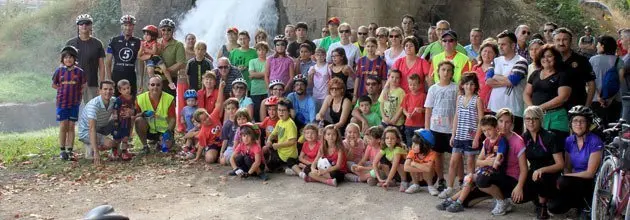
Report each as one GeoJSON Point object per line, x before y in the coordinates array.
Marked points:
{"type": "Point", "coordinates": [390, 153]}
{"type": "Point", "coordinates": [326, 42]}
{"type": "Point", "coordinates": [436, 48]}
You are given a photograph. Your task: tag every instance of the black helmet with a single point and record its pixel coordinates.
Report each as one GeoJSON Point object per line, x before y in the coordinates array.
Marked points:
{"type": "Point", "coordinates": [580, 110]}
{"type": "Point", "coordinates": [167, 23]}
{"type": "Point", "coordinates": [70, 49]}
{"type": "Point", "coordinates": [279, 38]}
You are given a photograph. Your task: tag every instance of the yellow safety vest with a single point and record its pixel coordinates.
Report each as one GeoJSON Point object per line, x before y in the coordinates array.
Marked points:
{"type": "Point", "coordinates": [460, 60]}
{"type": "Point", "coordinates": [157, 123]}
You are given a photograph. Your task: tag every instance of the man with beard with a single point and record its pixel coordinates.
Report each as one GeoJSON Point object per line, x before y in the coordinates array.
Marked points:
{"type": "Point", "coordinates": [123, 51]}
{"type": "Point", "coordinates": [578, 67]}
{"type": "Point", "coordinates": [373, 88]}
{"type": "Point", "coordinates": [304, 109]}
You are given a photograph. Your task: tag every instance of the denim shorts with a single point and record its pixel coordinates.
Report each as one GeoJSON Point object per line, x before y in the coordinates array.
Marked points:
{"type": "Point", "coordinates": [464, 147]}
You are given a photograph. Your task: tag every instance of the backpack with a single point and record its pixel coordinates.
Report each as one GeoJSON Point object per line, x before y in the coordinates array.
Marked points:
{"type": "Point", "coordinates": [610, 82]}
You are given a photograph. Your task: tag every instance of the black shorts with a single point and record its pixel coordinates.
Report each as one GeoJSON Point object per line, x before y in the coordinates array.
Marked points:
{"type": "Point", "coordinates": [442, 142]}
{"type": "Point", "coordinates": [154, 136]}
{"type": "Point", "coordinates": [505, 183]}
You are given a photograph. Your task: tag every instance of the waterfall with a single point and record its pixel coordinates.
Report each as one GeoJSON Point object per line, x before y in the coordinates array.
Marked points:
{"type": "Point", "coordinates": [210, 19]}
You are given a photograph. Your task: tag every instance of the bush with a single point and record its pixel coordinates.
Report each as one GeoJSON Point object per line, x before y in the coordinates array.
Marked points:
{"type": "Point", "coordinates": [566, 13]}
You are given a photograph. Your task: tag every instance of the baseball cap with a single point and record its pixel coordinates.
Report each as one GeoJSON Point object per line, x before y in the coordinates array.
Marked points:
{"type": "Point", "coordinates": [334, 20]}
{"type": "Point", "coordinates": [450, 33]}
{"type": "Point", "coordinates": [232, 29]}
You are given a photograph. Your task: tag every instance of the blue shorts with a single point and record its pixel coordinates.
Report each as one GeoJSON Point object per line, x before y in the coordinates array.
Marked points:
{"type": "Point", "coordinates": [154, 61]}
{"type": "Point", "coordinates": [465, 147]}
{"type": "Point", "coordinates": [121, 133]}
{"type": "Point", "coordinates": [70, 114]}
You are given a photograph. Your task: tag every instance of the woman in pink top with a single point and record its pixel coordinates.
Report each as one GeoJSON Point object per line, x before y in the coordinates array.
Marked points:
{"type": "Point", "coordinates": [412, 64]}
{"type": "Point", "coordinates": [279, 66]}
{"type": "Point", "coordinates": [488, 52]}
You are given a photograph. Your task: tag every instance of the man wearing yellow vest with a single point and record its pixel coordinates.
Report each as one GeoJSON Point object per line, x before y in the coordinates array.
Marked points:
{"type": "Point", "coordinates": [437, 47]}
{"type": "Point", "coordinates": [156, 118]}
{"type": "Point", "coordinates": [461, 61]}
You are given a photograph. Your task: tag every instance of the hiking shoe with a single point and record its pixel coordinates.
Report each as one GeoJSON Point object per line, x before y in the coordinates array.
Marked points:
{"type": "Point", "coordinates": [441, 185]}
{"type": "Point", "coordinates": [64, 155]}
{"type": "Point", "coordinates": [414, 188]}
{"type": "Point", "coordinates": [502, 207]}
{"type": "Point", "coordinates": [372, 181]}
{"type": "Point", "coordinates": [350, 177]}
{"type": "Point", "coordinates": [433, 191]}
{"type": "Point", "coordinates": [403, 186]}
{"type": "Point", "coordinates": [290, 172]}
{"type": "Point", "coordinates": [444, 204]}
{"type": "Point", "coordinates": [455, 207]}
{"type": "Point", "coordinates": [446, 193]}
{"type": "Point", "coordinates": [331, 182]}
{"type": "Point", "coordinates": [263, 176]}
{"type": "Point", "coordinates": [542, 213]}
{"type": "Point", "coordinates": [302, 175]}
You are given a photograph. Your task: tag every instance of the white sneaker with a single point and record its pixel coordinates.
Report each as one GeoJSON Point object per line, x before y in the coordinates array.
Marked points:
{"type": "Point", "coordinates": [501, 207]}
{"type": "Point", "coordinates": [446, 193]}
{"type": "Point", "coordinates": [433, 191]}
{"type": "Point", "coordinates": [414, 188]}
{"type": "Point", "coordinates": [290, 172]}
{"type": "Point", "coordinates": [302, 175]}
{"type": "Point", "coordinates": [508, 204]}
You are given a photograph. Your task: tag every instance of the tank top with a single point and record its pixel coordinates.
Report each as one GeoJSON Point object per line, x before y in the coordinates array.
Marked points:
{"type": "Point", "coordinates": [339, 75]}
{"type": "Point", "coordinates": [320, 81]}
{"type": "Point", "coordinates": [467, 118]}
{"type": "Point", "coordinates": [225, 51]}
{"type": "Point", "coordinates": [336, 116]}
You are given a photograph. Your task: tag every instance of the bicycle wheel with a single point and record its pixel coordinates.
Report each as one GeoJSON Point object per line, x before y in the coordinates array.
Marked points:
{"type": "Point", "coordinates": [602, 194]}
{"type": "Point", "coordinates": [625, 196]}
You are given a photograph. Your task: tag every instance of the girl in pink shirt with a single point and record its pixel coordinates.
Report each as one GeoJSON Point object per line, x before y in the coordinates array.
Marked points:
{"type": "Point", "coordinates": [354, 147]}
{"type": "Point", "coordinates": [373, 139]}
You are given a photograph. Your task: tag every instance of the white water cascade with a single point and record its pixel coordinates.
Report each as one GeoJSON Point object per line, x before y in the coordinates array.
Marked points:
{"type": "Point", "coordinates": [210, 19]}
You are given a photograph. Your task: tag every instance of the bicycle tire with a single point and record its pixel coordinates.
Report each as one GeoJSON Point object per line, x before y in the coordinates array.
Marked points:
{"type": "Point", "coordinates": [602, 193]}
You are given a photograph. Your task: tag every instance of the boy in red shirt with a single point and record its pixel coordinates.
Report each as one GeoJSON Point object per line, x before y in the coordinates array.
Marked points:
{"type": "Point", "coordinates": [412, 107]}
{"type": "Point", "coordinates": [210, 134]}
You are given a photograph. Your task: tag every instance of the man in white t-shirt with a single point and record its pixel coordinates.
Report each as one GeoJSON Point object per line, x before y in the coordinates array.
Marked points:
{"type": "Point", "coordinates": [352, 51]}
{"type": "Point", "coordinates": [507, 80]}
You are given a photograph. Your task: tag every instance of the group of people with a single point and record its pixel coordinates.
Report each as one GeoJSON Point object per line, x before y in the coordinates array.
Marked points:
{"type": "Point", "coordinates": [516, 112]}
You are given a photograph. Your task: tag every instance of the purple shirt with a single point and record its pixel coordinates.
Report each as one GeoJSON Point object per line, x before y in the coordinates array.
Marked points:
{"type": "Point", "coordinates": [579, 158]}
{"type": "Point", "coordinates": [279, 68]}
{"type": "Point", "coordinates": [517, 148]}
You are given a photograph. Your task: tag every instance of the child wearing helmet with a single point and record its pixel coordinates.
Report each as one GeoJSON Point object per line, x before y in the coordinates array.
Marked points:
{"type": "Point", "coordinates": [279, 65]}
{"type": "Point", "coordinates": [239, 91]}
{"type": "Point", "coordinates": [276, 89]}
{"type": "Point", "coordinates": [269, 123]}
{"type": "Point", "coordinates": [149, 53]}
{"type": "Point", "coordinates": [69, 81]}
{"type": "Point", "coordinates": [419, 162]}
{"type": "Point", "coordinates": [187, 117]}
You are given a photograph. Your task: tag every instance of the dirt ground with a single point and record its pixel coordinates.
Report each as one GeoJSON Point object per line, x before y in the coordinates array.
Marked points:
{"type": "Point", "coordinates": [196, 191]}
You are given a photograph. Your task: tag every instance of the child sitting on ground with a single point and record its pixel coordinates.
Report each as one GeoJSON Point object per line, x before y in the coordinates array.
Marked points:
{"type": "Point", "coordinates": [248, 158]}
{"type": "Point", "coordinates": [124, 111]}
{"type": "Point", "coordinates": [419, 161]}
{"type": "Point", "coordinates": [363, 169]}
{"type": "Point", "coordinates": [355, 149]}
{"type": "Point", "coordinates": [490, 160]}
{"type": "Point", "coordinates": [228, 131]}
{"type": "Point", "coordinates": [269, 122]}
{"type": "Point", "coordinates": [373, 119]}
{"type": "Point", "coordinates": [242, 116]}
{"type": "Point", "coordinates": [284, 152]}
{"type": "Point", "coordinates": [310, 147]}
{"type": "Point", "coordinates": [392, 155]}
{"type": "Point", "coordinates": [330, 167]}
{"type": "Point", "coordinates": [187, 118]}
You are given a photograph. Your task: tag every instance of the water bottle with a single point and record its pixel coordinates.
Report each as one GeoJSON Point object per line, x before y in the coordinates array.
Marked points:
{"type": "Point", "coordinates": [165, 138]}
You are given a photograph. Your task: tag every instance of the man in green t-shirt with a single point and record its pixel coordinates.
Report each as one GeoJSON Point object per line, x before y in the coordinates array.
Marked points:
{"type": "Point", "coordinates": [436, 47]}
{"type": "Point", "coordinates": [333, 25]}
{"type": "Point", "coordinates": [241, 56]}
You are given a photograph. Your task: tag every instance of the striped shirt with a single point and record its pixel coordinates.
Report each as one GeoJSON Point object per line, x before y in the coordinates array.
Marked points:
{"type": "Point", "coordinates": [69, 83]}
{"type": "Point", "coordinates": [367, 67]}
{"type": "Point", "coordinates": [95, 109]}
{"type": "Point", "coordinates": [466, 118]}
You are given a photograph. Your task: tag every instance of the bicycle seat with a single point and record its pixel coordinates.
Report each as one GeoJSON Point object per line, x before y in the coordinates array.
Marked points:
{"type": "Point", "coordinates": [103, 212]}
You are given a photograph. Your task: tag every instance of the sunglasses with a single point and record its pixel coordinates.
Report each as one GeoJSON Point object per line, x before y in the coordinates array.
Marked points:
{"type": "Point", "coordinates": [155, 84]}
{"type": "Point", "coordinates": [530, 119]}
{"type": "Point", "coordinates": [371, 28]}
{"type": "Point", "coordinates": [223, 67]}
{"type": "Point", "coordinates": [360, 33]}
{"type": "Point", "coordinates": [525, 32]}
{"type": "Point", "coordinates": [344, 31]}
{"type": "Point", "coordinates": [84, 23]}
{"type": "Point", "coordinates": [394, 36]}
{"type": "Point", "coordinates": [448, 40]}
{"type": "Point", "coordinates": [281, 45]}
{"type": "Point", "coordinates": [167, 30]}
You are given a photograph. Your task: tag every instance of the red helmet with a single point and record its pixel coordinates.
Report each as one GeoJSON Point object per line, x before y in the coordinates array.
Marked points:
{"type": "Point", "coordinates": [151, 29]}
{"type": "Point", "coordinates": [273, 100]}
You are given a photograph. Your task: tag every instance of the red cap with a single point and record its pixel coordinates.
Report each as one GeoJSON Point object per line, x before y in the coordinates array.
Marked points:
{"type": "Point", "coordinates": [232, 29]}
{"type": "Point", "coordinates": [334, 20]}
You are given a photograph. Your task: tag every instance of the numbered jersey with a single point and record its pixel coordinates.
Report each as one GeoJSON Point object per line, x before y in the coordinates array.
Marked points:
{"type": "Point", "coordinates": [125, 53]}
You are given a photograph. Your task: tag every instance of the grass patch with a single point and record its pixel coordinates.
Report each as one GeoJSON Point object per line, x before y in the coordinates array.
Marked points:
{"type": "Point", "coordinates": [19, 147]}
{"type": "Point", "coordinates": [26, 87]}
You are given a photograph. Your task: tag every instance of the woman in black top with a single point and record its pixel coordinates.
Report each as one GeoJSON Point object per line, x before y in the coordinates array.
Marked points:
{"type": "Point", "coordinates": [545, 156]}
{"type": "Point", "coordinates": [549, 88]}
{"type": "Point", "coordinates": [337, 105]}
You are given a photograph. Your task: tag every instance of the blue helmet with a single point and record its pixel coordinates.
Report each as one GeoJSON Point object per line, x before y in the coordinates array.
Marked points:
{"type": "Point", "coordinates": [191, 93]}
{"type": "Point", "coordinates": [426, 135]}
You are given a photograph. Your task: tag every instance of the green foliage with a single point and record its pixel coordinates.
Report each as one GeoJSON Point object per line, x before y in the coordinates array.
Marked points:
{"type": "Point", "coordinates": [26, 87]}
{"type": "Point", "coordinates": [106, 16]}
{"type": "Point", "coordinates": [566, 13]}
{"type": "Point", "coordinates": [624, 5]}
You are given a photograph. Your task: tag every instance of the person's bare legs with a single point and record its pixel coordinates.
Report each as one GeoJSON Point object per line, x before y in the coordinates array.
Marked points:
{"type": "Point", "coordinates": [142, 128]}
{"type": "Point", "coordinates": [211, 156]}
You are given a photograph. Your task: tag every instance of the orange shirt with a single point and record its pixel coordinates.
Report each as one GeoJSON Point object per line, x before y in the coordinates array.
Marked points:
{"type": "Point", "coordinates": [418, 158]}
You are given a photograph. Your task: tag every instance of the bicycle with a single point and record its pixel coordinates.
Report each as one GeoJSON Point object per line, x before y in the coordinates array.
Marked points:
{"type": "Point", "coordinates": [612, 185]}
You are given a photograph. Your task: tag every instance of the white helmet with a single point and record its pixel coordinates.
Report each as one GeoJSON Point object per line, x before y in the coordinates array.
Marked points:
{"type": "Point", "coordinates": [84, 18]}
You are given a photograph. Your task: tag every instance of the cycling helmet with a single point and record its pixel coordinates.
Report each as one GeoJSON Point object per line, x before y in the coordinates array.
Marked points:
{"type": "Point", "coordinates": [152, 29]}
{"type": "Point", "coordinates": [167, 23]}
{"type": "Point", "coordinates": [127, 19]}
{"type": "Point", "coordinates": [239, 80]}
{"type": "Point", "coordinates": [279, 38]}
{"type": "Point", "coordinates": [191, 93]}
{"type": "Point", "coordinates": [273, 100]}
{"type": "Point", "coordinates": [580, 110]}
{"type": "Point", "coordinates": [70, 49]}
{"type": "Point", "coordinates": [426, 135]}
{"type": "Point", "coordinates": [84, 18]}
{"type": "Point", "coordinates": [588, 28]}
{"type": "Point", "coordinates": [300, 78]}
{"type": "Point", "coordinates": [276, 82]}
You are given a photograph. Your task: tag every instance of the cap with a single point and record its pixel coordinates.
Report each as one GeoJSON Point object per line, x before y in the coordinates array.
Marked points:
{"type": "Point", "coordinates": [232, 29]}
{"type": "Point", "coordinates": [450, 33]}
{"type": "Point", "coordinates": [334, 20]}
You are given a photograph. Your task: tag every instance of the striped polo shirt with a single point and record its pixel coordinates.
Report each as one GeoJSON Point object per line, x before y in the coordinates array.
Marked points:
{"type": "Point", "coordinates": [95, 109]}
{"type": "Point", "coordinates": [69, 83]}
